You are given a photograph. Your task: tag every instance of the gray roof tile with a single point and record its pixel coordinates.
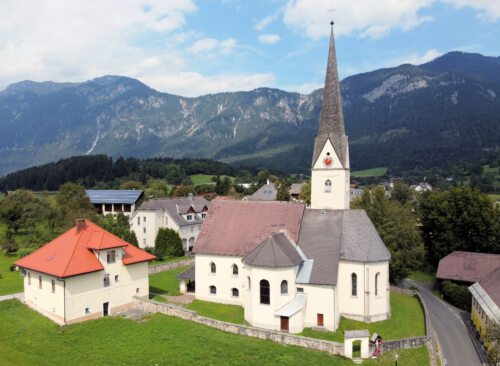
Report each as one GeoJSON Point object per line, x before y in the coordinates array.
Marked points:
{"type": "Point", "coordinates": [275, 251]}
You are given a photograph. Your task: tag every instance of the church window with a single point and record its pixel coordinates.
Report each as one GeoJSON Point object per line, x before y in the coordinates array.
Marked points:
{"type": "Point", "coordinates": [249, 284]}
{"type": "Point", "coordinates": [235, 292]}
{"type": "Point", "coordinates": [213, 290]}
{"type": "Point", "coordinates": [354, 285]}
{"type": "Point", "coordinates": [213, 268]}
{"type": "Point", "coordinates": [235, 270]}
{"type": "Point", "coordinates": [328, 186]}
{"type": "Point", "coordinates": [376, 283]}
{"type": "Point", "coordinates": [265, 297]}
{"type": "Point", "coordinates": [284, 287]}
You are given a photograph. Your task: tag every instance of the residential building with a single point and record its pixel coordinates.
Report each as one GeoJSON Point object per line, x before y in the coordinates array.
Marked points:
{"type": "Point", "coordinates": [83, 274]}
{"type": "Point", "coordinates": [467, 267]}
{"type": "Point", "coordinates": [292, 267]}
{"type": "Point", "coordinates": [185, 215]}
{"type": "Point", "coordinates": [269, 192]}
{"type": "Point", "coordinates": [114, 201]}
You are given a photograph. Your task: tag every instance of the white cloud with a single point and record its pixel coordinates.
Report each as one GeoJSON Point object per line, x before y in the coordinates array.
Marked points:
{"type": "Point", "coordinates": [305, 88]}
{"type": "Point", "coordinates": [203, 45]}
{"type": "Point", "coordinates": [211, 47]}
{"type": "Point", "coordinates": [263, 23]}
{"type": "Point", "coordinates": [365, 18]}
{"type": "Point", "coordinates": [269, 38]}
{"type": "Point", "coordinates": [488, 9]}
{"type": "Point", "coordinates": [416, 59]}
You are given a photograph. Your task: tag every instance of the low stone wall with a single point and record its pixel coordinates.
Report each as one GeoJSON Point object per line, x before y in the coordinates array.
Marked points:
{"type": "Point", "coordinates": [170, 265]}
{"type": "Point", "coordinates": [415, 342]}
{"type": "Point", "coordinates": [151, 306]}
{"type": "Point", "coordinates": [403, 291]}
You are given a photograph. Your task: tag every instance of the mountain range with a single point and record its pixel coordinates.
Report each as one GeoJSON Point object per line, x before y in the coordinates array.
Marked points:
{"type": "Point", "coordinates": [432, 114]}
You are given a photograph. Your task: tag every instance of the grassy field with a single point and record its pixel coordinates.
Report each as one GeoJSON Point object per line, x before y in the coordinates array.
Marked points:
{"type": "Point", "coordinates": [199, 179]}
{"type": "Point", "coordinates": [167, 260]}
{"type": "Point", "coordinates": [373, 172]}
{"type": "Point", "coordinates": [407, 321]}
{"type": "Point", "coordinates": [166, 282]}
{"type": "Point", "coordinates": [407, 357]}
{"type": "Point", "coordinates": [10, 282]}
{"type": "Point", "coordinates": [226, 313]}
{"type": "Point", "coordinates": [421, 276]}
{"type": "Point", "coordinates": [28, 338]}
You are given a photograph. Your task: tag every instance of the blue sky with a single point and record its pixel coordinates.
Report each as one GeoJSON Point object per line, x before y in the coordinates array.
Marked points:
{"type": "Point", "coordinates": [191, 47]}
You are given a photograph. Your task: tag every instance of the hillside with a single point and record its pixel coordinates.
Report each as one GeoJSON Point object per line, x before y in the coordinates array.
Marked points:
{"type": "Point", "coordinates": [429, 115]}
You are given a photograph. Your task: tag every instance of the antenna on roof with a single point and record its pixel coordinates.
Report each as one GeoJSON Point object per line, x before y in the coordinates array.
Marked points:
{"type": "Point", "coordinates": [331, 13]}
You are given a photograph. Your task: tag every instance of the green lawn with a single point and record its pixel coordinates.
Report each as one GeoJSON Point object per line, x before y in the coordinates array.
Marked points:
{"type": "Point", "coordinates": [421, 276]}
{"type": "Point", "coordinates": [10, 282]}
{"type": "Point", "coordinates": [373, 172]}
{"type": "Point", "coordinates": [166, 260]}
{"type": "Point", "coordinates": [407, 321]}
{"type": "Point", "coordinates": [226, 313]}
{"type": "Point", "coordinates": [199, 179]}
{"type": "Point", "coordinates": [407, 357]}
{"type": "Point", "coordinates": [28, 338]}
{"type": "Point", "coordinates": [166, 282]}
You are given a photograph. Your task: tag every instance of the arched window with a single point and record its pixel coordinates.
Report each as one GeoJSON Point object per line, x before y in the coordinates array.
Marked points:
{"type": "Point", "coordinates": [235, 292]}
{"type": "Point", "coordinates": [264, 292]}
{"type": "Point", "coordinates": [235, 270]}
{"type": "Point", "coordinates": [213, 290]}
{"type": "Point", "coordinates": [354, 285]}
{"type": "Point", "coordinates": [328, 185]}
{"type": "Point", "coordinates": [213, 268]}
{"type": "Point", "coordinates": [284, 287]}
{"type": "Point", "coordinates": [376, 283]}
{"type": "Point", "coordinates": [249, 283]}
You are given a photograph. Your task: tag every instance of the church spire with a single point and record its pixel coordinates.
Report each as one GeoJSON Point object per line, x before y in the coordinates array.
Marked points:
{"type": "Point", "coordinates": [331, 120]}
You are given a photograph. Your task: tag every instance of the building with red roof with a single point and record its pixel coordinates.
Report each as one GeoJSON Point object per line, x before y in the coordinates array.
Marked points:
{"type": "Point", "coordinates": [85, 273]}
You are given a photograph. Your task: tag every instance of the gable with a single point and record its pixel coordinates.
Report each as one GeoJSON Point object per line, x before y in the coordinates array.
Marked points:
{"type": "Point", "coordinates": [328, 151]}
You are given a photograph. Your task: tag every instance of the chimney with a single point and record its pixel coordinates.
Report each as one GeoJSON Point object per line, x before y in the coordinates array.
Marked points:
{"type": "Point", "coordinates": [190, 196]}
{"type": "Point", "coordinates": [80, 224]}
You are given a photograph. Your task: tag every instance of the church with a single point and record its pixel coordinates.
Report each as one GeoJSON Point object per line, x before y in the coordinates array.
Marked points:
{"type": "Point", "coordinates": [290, 266]}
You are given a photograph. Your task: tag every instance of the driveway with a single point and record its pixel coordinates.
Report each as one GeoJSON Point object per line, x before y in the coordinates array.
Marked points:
{"type": "Point", "coordinates": [19, 296]}
{"type": "Point", "coordinates": [457, 343]}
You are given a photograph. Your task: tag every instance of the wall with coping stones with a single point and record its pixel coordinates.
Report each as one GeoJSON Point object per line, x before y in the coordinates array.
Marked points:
{"type": "Point", "coordinates": [151, 306]}
{"type": "Point", "coordinates": [170, 265]}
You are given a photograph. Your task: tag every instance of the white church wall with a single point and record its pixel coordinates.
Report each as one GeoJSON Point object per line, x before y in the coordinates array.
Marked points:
{"type": "Point", "coordinates": [320, 300]}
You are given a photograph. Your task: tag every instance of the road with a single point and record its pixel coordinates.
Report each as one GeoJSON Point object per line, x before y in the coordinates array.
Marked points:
{"type": "Point", "coordinates": [457, 344]}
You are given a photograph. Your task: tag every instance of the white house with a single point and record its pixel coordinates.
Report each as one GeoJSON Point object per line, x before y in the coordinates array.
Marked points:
{"type": "Point", "coordinates": [85, 273]}
{"type": "Point", "coordinates": [182, 214]}
{"type": "Point", "coordinates": [114, 201]}
{"type": "Point", "coordinates": [291, 267]}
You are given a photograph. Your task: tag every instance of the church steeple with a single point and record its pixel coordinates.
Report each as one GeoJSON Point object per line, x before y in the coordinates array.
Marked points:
{"type": "Point", "coordinates": [331, 120]}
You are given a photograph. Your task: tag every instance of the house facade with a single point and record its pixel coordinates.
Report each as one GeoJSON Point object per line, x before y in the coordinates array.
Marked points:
{"type": "Point", "coordinates": [85, 273]}
{"type": "Point", "coordinates": [114, 201]}
{"type": "Point", "coordinates": [185, 215]}
{"type": "Point", "coordinates": [292, 267]}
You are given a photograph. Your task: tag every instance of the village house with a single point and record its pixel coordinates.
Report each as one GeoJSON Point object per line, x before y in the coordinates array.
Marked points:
{"type": "Point", "coordinates": [292, 267]}
{"type": "Point", "coordinates": [185, 215]}
{"type": "Point", "coordinates": [114, 201]}
{"type": "Point", "coordinates": [269, 192]}
{"type": "Point", "coordinates": [83, 274]}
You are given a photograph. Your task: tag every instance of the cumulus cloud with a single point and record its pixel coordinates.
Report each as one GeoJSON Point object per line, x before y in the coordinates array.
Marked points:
{"type": "Point", "coordinates": [269, 38]}
{"type": "Point", "coordinates": [488, 9]}
{"type": "Point", "coordinates": [417, 59]}
{"type": "Point", "coordinates": [365, 18]}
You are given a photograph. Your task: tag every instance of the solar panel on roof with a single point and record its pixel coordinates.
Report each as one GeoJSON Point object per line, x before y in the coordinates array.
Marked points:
{"type": "Point", "coordinates": [113, 196]}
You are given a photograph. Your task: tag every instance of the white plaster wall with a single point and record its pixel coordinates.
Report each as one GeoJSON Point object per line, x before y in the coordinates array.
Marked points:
{"type": "Point", "coordinates": [223, 279]}
{"type": "Point", "coordinates": [320, 300]}
{"type": "Point", "coordinates": [43, 299]}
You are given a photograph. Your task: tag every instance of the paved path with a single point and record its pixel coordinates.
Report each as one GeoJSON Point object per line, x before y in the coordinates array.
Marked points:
{"type": "Point", "coordinates": [19, 296]}
{"type": "Point", "coordinates": [458, 346]}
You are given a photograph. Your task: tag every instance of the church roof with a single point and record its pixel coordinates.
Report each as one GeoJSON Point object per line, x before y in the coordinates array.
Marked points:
{"type": "Point", "coordinates": [331, 120]}
{"type": "Point", "coordinates": [275, 251]}
{"type": "Point", "coordinates": [267, 192]}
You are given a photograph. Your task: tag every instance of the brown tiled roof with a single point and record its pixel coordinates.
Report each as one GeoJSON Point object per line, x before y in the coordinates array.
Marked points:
{"type": "Point", "coordinates": [491, 285]}
{"type": "Point", "coordinates": [467, 266]}
{"type": "Point", "coordinates": [275, 251]}
{"type": "Point", "coordinates": [237, 227]}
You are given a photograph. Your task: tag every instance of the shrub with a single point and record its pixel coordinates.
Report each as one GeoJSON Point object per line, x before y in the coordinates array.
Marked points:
{"type": "Point", "coordinates": [457, 295]}
{"type": "Point", "coordinates": [168, 243]}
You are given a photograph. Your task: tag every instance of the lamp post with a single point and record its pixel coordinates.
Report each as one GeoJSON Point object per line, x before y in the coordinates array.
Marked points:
{"type": "Point", "coordinates": [396, 357]}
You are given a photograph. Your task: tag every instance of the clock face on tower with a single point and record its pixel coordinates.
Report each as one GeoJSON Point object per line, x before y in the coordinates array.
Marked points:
{"type": "Point", "coordinates": [328, 161]}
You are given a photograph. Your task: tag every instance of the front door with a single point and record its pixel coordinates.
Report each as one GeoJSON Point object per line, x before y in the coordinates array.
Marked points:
{"type": "Point", "coordinates": [284, 324]}
{"type": "Point", "coordinates": [320, 320]}
{"type": "Point", "coordinates": [105, 309]}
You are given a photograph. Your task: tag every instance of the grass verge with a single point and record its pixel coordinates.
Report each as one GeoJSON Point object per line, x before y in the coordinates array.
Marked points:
{"type": "Point", "coordinates": [226, 313]}
{"type": "Point", "coordinates": [11, 282]}
{"type": "Point", "coordinates": [166, 282]}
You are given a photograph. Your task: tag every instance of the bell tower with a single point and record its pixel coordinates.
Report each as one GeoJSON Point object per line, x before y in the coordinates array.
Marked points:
{"type": "Point", "coordinates": [330, 176]}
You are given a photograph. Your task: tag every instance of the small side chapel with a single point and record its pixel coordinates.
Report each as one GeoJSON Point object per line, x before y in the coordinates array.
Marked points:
{"type": "Point", "coordinates": [292, 267]}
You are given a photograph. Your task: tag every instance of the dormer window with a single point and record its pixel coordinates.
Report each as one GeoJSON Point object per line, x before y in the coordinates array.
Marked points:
{"type": "Point", "coordinates": [203, 215]}
{"type": "Point", "coordinates": [189, 217]}
{"type": "Point", "coordinates": [111, 256]}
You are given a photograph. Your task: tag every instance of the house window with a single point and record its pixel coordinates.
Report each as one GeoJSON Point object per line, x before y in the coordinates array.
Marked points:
{"type": "Point", "coordinates": [108, 207]}
{"type": "Point", "coordinates": [213, 268]}
{"type": "Point", "coordinates": [144, 230]}
{"type": "Point", "coordinates": [53, 286]}
{"type": "Point", "coordinates": [189, 217]}
{"type": "Point", "coordinates": [213, 290]}
{"type": "Point", "coordinates": [138, 220]}
{"type": "Point", "coordinates": [265, 297]}
{"type": "Point", "coordinates": [300, 289]}
{"type": "Point", "coordinates": [117, 279]}
{"type": "Point", "coordinates": [127, 208]}
{"type": "Point", "coordinates": [376, 283]}
{"type": "Point", "coordinates": [40, 282]}
{"type": "Point", "coordinates": [137, 290]}
{"type": "Point", "coordinates": [354, 285]}
{"type": "Point", "coordinates": [144, 219]}
{"type": "Point", "coordinates": [284, 287]}
{"type": "Point", "coordinates": [87, 311]}
{"type": "Point", "coordinates": [328, 186]}
{"type": "Point", "coordinates": [117, 207]}
{"type": "Point", "coordinates": [144, 242]}
{"type": "Point", "coordinates": [235, 270]}
{"type": "Point", "coordinates": [106, 280]}
{"type": "Point", "coordinates": [235, 292]}
{"type": "Point", "coordinates": [249, 283]}
{"type": "Point", "coordinates": [29, 278]}
{"type": "Point", "coordinates": [111, 256]}
{"type": "Point", "coordinates": [203, 215]}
